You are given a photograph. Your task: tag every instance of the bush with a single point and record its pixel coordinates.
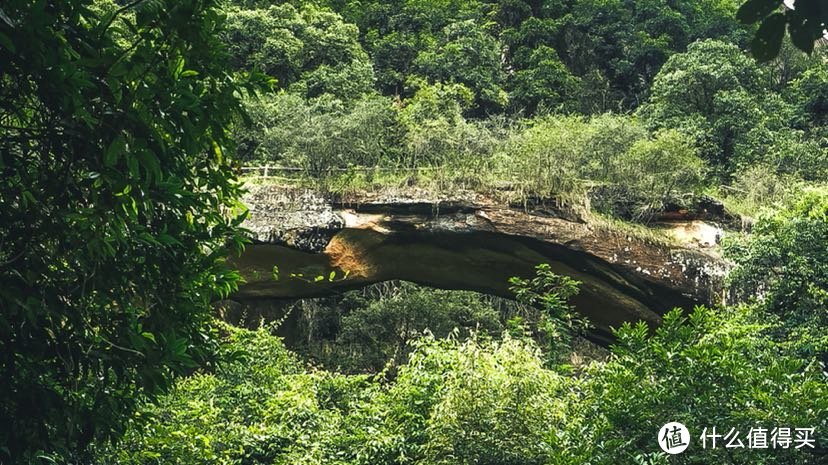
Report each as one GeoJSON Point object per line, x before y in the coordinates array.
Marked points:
{"type": "Point", "coordinates": [782, 263]}
{"type": "Point", "coordinates": [652, 173]}
{"type": "Point", "coordinates": [482, 401]}
{"type": "Point", "coordinates": [474, 402]}
{"type": "Point", "coordinates": [758, 188]}
{"type": "Point", "coordinates": [258, 407]}
{"type": "Point", "coordinates": [630, 174]}
{"type": "Point", "coordinates": [789, 152]}
{"type": "Point", "coordinates": [709, 368]}
{"type": "Point", "coordinates": [544, 160]}
{"type": "Point", "coordinates": [366, 334]}
{"type": "Point", "coordinates": [322, 135]}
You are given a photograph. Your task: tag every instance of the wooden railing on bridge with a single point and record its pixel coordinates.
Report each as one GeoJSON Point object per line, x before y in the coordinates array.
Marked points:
{"type": "Point", "coordinates": [265, 171]}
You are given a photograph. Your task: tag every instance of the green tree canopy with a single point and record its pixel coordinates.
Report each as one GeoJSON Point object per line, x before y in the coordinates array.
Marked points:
{"type": "Point", "coordinates": [784, 262]}
{"type": "Point", "coordinates": [480, 400]}
{"type": "Point", "coordinates": [465, 53]}
{"type": "Point", "coordinates": [810, 95]}
{"type": "Point", "coordinates": [309, 50]}
{"type": "Point", "coordinates": [117, 207]}
{"type": "Point", "coordinates": [544, 84]}
{"type": "Point", "coordinates": [716, 94]}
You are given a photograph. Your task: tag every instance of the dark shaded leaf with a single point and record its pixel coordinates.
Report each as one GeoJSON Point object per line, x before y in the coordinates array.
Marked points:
{"type": "Point", "coordinates": [6, 42]}
{"type": "Point", "coordinates": [115, 149]}
{"type": "Point", "coordinates": [754, 10]}
{"type": "Point", "coordinates": [804, 31]}
{"type": "Point", "coordinates": [765, 46]}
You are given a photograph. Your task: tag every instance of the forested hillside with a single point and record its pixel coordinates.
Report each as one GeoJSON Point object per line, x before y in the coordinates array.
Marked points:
{"type": "Point", "coordinates": [637, 103]}
{"type": "Point", "coordinates": [129, 131]}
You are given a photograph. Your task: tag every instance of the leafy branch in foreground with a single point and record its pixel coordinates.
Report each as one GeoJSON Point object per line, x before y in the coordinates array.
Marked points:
{"type": "Point", "coordinates": [806, 22]}
{"type": "Point", "coordinates": [550, 292]}
{"type": "Point", "coordinates": [117, 209]}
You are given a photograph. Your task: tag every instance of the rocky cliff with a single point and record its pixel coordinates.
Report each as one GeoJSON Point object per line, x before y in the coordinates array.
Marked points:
{"type": "Point", "coordinates": [308, 245]}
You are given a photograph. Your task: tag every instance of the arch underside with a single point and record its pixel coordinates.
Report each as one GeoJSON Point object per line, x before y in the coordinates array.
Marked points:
{"type": "Point", "coordinates": [477, 261]}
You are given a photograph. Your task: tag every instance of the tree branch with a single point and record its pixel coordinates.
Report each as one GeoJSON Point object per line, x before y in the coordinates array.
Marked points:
{"type": "Point", "coordinates": [118, 12]}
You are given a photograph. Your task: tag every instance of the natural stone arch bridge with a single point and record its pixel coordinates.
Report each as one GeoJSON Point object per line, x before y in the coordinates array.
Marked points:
{"type": "Point", "coordinates": [319, 247]}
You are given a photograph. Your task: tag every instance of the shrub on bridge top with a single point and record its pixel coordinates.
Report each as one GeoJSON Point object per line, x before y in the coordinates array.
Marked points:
{"type": "Point", "coordinates": [635, 171]}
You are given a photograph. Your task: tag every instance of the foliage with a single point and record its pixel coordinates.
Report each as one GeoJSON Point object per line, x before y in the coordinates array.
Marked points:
{"type": "Point", "coordinates": [541, 159]}
{"type": "Point", "coordinates": [555, 157]}
{"type": "Point", "coordinates": [784, 261]}
{"type": "Point", "coordinates": [368, 330]}
{"type": "Point", "coordinates": [472, 402]}
{"type": "Point", "coordinates": [558, 322]}
{"type": "Point", "coordinates": [649, 175]}
{"type": "Point", "coordinates": [468, 55]}
{"type": "Point", "coordinates": [436, 103]}
{"type": "Point", "coordinates": [791, 153]}
{"type": "Point", "coordinates": [496, 48]}
{"type": "Point", "coordinates": [545, 84]}
{"type": "Point", "coordinates": [719, 97]}
{"type": "Point", "coordinates": [258, 407]}
{"type": "Point", "coordinates": [408, 37]}
{"type": "Point", "coordinates": [273, 413]}
{"type": "Point", "coordinates": [759, 188]}
{"type": "Point", "coordinates": [626, 43]}
{"type": "Point", "coordinates": [118, 205]}
{"type": "Point", "coordinates": [810, 94]}
{"type": "Point", "coordinates": [118, 208]}
{"type": "Point", "coordinates": [321, 135]}
{"type": "Point", "coordinates": [436, 131]}
{"type": "Point", "coordinates": [709, 368]}
{"type": "Point", "coordinates": [308, 50]}
{"type": "Point", "coordinates": [566, 156]}
{"type": "Point", "coordinates": [463, 73]}
{"type": "Point", "coordinates": [806, 23]}
{"type": "Point", "coordinates": [485, 401]}
{"type": "Point", "coordinates": [790, 64]}
{"type": "Point", "coordinates": [695, 91]}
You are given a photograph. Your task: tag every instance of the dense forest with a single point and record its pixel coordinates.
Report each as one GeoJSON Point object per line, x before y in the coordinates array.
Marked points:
{"type": "Point", "coordinates": [127, 126]}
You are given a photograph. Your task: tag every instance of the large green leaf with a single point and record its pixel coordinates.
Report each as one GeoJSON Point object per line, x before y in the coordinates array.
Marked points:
{"type": "Point", "coordinates": [754, 10]}
{"type": "Point", "coordinates": [765, 46]}
{"type": "Point", "coordinates": [804, 30]}
{"type": "Point", "coordinates": [114, 151]}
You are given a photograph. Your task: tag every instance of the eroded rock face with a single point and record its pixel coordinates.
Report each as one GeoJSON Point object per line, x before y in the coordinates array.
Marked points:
{"type": "Point", "coordinates": [321, 246]}
{"type": "Point", "coordinates": [296, 218]}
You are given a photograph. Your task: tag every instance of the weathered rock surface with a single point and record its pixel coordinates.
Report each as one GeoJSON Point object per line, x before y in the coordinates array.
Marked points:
{"type": "Point", "coordinates": [321, 246]}
{"type": "Point", "coordinates": [296, 218]}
